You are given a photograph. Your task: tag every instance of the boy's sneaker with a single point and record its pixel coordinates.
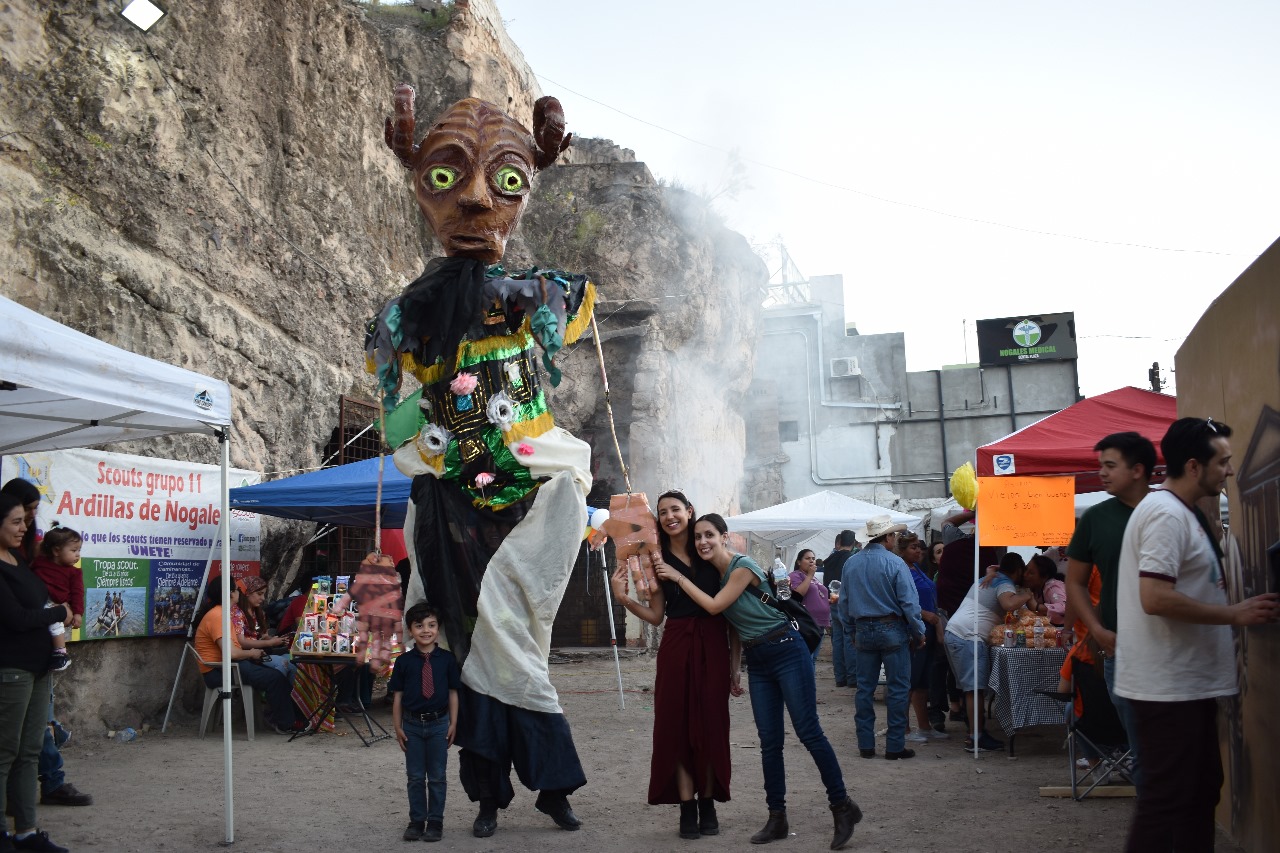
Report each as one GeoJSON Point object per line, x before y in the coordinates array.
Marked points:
{"type": "Point", "coordinates": [61, 660]}
{"type": "Point", "coordinates": [413, 832]}
{"type": "Point", "coordinates": [65, 795]}
{"type": "Point", "coordinates": [937, 734]}
{"type": "Point", "coordinates": [433, 832]}
{"type": "Point", "coordinates": [917, 736]}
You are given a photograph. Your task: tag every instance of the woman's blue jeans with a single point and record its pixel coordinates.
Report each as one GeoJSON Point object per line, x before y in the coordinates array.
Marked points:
{"type": "Point", "coordinates": [780, 673]}
{"type": "Point", "coordinates": [883, 643]}
{"type": "Point", "coordinates": [425, 758]}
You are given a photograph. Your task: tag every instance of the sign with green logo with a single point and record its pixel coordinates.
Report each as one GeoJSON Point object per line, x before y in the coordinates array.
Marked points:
{"type": "Point", "coordinates": [1029, 338]}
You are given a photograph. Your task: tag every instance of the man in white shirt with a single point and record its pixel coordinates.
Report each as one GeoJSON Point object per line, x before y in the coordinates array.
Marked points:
{"type": "Point", "coordinates": [1174, 654]}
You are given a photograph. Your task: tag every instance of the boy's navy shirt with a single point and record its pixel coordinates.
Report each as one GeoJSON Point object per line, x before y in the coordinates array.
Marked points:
{"type": "Point", "coordinates": [406, 678]}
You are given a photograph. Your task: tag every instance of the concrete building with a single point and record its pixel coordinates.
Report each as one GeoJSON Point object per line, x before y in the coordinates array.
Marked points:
{"type": "Point", "coordinates": [830, 408]}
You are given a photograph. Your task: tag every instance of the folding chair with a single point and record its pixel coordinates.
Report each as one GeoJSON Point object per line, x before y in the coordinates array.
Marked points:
{"type": "Point", "coordinates": [247, 694]}
{"type": "Point", "coordinates": [1095, 736]}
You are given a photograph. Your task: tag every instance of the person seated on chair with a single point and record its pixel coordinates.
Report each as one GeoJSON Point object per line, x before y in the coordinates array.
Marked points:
{"type": "Point", "coordinates": [966, 635]}
{"type": "Point", "coordinates": [253, 674]}
{"type": "Point", "coordinates": [249, 622]}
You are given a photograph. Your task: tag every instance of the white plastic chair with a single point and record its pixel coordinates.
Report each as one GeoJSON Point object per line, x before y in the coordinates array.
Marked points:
{"type": "Point", "coordinates": [247, 694]}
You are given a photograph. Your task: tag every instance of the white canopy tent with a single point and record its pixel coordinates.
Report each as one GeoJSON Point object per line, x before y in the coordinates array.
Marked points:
{"type": "Point", "coordinates": [60, 388]}
{"type": "Point", "coordinates": [815, 520]}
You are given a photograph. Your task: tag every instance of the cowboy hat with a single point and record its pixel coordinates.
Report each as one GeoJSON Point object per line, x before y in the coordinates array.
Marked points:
{"type": "Point", "coordinates": [877, 526]}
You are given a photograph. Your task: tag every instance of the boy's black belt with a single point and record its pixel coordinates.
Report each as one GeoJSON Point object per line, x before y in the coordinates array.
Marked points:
{"type": "Point", "coordinates": [775, 634]}
{"type": "Point", "coordinates": [429, 716]}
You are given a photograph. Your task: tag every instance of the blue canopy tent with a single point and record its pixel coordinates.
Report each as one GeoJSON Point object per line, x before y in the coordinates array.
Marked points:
{"type": "Point", "coordinates": [344, 494]}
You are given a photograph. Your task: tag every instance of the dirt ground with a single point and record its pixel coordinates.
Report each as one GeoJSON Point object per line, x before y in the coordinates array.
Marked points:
{"type": "Point", "coordinates": [164, 792]}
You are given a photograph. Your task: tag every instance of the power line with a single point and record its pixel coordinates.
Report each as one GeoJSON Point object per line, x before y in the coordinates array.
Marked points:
{"type": "Point", "coordinates": [885, 200]}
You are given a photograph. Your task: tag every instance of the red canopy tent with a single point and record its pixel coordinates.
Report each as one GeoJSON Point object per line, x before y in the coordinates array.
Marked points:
{"type": "Point", "coordinates": [1063, 442]}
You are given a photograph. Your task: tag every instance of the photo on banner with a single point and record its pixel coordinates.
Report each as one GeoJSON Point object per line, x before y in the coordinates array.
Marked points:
{"type": "Point", "coordinates": [148, 527]}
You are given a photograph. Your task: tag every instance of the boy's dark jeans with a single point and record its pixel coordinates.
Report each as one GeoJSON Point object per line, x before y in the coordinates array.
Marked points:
{"type": "Point", "coordinates": [1181, 777]}
{"type": "Point", "coordinates": [425, 758]}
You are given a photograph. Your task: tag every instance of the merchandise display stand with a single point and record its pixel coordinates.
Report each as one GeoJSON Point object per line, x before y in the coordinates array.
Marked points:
{"type": "Point", "coordinates": [329, 642]}
{"type": "Point", "coordinates": [339, 667]}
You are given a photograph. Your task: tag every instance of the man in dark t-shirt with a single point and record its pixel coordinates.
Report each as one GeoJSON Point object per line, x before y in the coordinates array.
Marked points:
{"type": "Point", "coordinates": [1125, 463]}
{"type": "Point", "coordinates": [842, 654]}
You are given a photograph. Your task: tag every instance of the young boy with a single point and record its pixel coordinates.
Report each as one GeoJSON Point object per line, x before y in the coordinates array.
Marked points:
{"type": "Point", "coordinates": [425, 684]}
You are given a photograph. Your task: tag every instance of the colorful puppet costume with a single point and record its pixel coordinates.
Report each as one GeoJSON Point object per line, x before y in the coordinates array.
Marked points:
{"type": "Point", "coordinates": [497, 507]}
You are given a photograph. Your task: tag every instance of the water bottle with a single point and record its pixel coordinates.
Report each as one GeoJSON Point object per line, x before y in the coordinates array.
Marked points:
{"type": "Point", "coordinates": [125, 735]}
{"type": "Point", "coordinates": [781, 579]}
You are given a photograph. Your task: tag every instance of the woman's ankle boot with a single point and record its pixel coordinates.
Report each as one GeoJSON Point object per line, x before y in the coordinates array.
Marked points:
{"type": "Point", "coordinates": [708, 823]}
{"type": "Point", "coordinates": [775, 829]}
{"type": "Point", "coordinates": [689, 819]}
{"type": "Point", "coordinates": [846, 815]}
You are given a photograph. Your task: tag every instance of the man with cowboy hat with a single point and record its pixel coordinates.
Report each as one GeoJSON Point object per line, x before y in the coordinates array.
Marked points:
{"type": "Point", "coordinates": [879, 601]}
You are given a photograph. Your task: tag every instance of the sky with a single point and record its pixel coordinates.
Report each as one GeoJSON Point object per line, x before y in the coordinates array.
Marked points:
{"type": "Point", "coordinates": [954, 161]}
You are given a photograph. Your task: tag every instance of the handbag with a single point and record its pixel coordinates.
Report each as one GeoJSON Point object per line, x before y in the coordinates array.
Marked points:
{"type": "Point", "coordinates": [793, 609]}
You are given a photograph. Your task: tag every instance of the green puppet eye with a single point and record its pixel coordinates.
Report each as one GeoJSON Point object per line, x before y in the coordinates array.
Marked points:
{"type": "Point", "coordinates": [511, 181]}
{"type": "Point", "coordinates": [442, 177]}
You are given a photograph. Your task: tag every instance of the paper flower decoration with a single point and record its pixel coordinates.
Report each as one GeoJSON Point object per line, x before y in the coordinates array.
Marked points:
{"type": "Point", "coordinates": [433, 439]}
{"type": "Point", "coordinates": [501, 411]}
{"type": "Point", "coordinates": [463, 384]}
{"type": "Point", "coordinates": [483, 479]}
{"type": "Point", "coordinates": [964, 486]}
{"type": "Point", "coordinates": [524, 449]}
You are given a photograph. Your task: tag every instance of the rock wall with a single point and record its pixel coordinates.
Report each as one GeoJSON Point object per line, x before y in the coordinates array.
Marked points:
{"type": "Point", "coordinates": [217, 194]}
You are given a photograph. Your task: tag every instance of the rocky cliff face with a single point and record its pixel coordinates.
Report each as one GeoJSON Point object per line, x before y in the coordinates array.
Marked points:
{"type": "Point", "coordinates": [217, 194]}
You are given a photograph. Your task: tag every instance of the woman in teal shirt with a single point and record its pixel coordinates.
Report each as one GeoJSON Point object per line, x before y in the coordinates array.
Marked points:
{"type": "Point", "coordinates": [780, 674]}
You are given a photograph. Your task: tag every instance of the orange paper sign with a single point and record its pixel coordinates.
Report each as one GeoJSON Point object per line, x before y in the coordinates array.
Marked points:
{"type": "Point", "coordinates": [1026, 510]}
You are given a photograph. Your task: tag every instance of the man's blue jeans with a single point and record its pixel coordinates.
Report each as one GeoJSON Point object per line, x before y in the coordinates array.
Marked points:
{"type": "Point", "coordinates": [843, 656]}
{"type": "Point", "coordinates": [883, 643]}
{"type": "Point", "coordinates": [841, 653]}
{"type": "Point", "coordinates": [1127, 721]}
{"type": "Point", "coordinates": [780, 673]}
{"type": "Point", "coordinates": [49, 765]}
{"type": "Point", "coordinates": [426, 753]}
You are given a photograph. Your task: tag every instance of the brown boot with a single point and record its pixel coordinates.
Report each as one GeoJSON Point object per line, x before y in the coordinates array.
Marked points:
{"type": "Point", "coordinates": [846, 815]}
{"type": "Point", "coordinates": [776, 828]}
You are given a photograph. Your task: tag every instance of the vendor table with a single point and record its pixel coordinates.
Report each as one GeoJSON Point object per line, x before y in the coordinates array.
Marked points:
{"type": "Point", "coordinates": [338, 667]}
{"type": "Point", "coordinates": [1015, 673]}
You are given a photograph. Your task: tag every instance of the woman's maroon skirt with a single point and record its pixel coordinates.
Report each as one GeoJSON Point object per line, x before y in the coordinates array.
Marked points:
{"type": "Point", "coordinates": [691, 708]}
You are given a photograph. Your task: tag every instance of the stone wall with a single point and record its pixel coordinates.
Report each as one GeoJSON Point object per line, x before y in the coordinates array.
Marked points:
{"type": "Point", "coordinates": [217, 194]}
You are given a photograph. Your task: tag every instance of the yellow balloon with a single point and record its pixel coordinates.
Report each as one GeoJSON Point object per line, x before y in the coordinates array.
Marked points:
{"type": "Point", "coordinates": [964, 486]}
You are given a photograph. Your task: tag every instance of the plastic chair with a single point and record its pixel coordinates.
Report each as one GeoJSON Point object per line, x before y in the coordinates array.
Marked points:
{"type": "Point", "coordinates": [248, 695]}
{"type": "Point", "coordinates": [1097, 734]}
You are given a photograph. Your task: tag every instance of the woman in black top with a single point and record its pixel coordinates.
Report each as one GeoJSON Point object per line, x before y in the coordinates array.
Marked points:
{"type": "Point", "coordinates": [697, 670]}
{"type": "Point", "coordinates": [26, 650]}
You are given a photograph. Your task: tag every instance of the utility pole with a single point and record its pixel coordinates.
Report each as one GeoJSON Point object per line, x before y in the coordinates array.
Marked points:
{"type": "Point", "coordinates": [1154, 376]}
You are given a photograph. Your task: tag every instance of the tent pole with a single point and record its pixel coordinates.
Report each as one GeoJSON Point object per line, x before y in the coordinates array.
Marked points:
{"type": "Point", "coordinates": [613, 635]}
{"type": "Point", "coordinates": [977, 694]}
{"type": "Point", "coordinates": [224, 439]}
{"type": "Point", "coordinates": [191, 628]}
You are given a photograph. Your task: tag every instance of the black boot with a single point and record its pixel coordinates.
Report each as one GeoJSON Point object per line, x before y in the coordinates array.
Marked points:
{"type": "Point", "coordinates": [708, 823]}
{"type": "Point", "coordinates": [846, 814]}
{"type": "Point", "coordinates": [556, 805]}
{"type": "Point", "coordinates": [775, 829]}
{"type": "Point", "coordinates": [486, 823]}
{"type": "Point", "coordinates": [689, 819]}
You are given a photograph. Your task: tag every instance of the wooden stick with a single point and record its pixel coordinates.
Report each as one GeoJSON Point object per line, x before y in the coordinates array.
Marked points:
{"type": "Point", "coordinates": [608, 405]}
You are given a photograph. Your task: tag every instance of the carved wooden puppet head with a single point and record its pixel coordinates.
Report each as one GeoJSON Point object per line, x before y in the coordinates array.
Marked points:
{"type": "Point", "coordinates": [471, 173]}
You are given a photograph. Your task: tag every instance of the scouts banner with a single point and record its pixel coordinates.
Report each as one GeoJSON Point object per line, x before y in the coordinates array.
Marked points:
{"type": "Point", "coordinates": [148, 527]}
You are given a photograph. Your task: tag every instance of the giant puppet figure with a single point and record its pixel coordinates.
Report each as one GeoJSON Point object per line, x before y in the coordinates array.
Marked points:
{"type": "Point", "coordinates": [497, 510]}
